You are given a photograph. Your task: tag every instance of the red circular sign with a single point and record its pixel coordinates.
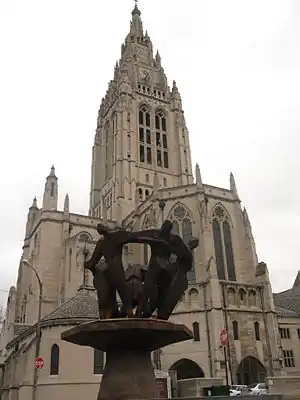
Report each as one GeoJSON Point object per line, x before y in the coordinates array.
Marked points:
{"type": "Point", "coordinates": [223, 337]}
{"type": "Point", "coordinates": [39, 363]}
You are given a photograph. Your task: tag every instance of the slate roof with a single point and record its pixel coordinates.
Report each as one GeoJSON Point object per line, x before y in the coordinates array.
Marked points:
{"type": "Point", "coordinates": [283, 312]}
{"type": "Point", "coordinates": [84, 305]}
{"type": "Point", "coordinates": [289, 299]}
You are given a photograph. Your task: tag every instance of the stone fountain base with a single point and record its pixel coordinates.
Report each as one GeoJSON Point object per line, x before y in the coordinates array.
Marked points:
{"type": "Point", "coordinates": [128, 344]}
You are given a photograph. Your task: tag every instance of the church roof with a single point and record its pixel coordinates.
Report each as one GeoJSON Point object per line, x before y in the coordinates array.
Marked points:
{"type": "Point", "coordinates": [289, 299]}
{"type": "Point", "coordinates": [84, 305]}
{"type": "Point", "coordinates": [283, 312]}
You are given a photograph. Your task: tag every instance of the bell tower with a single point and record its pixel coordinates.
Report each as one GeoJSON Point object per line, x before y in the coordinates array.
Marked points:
{"type": "Point", "coordinates": [141, 131]}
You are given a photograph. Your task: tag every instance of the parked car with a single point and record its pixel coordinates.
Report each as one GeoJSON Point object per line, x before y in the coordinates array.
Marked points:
{"type": "Point", "coordinates": [237, 390]}
{"type": "Point", "coordinates": [258, 388]}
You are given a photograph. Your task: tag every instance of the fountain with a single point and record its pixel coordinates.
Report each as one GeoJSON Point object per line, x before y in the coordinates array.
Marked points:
{"type": "Point", "coordinates": [128, 334]}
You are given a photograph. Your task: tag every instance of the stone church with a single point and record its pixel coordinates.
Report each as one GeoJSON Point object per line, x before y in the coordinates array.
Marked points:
{"type": "Point", "coordinates": [142, 174]}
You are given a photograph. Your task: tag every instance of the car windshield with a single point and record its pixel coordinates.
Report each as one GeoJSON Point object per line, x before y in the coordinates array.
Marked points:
{"type": "Point", "coordinates": [253, 385]}
{"type": "Point", "coordinates": [233, 387]}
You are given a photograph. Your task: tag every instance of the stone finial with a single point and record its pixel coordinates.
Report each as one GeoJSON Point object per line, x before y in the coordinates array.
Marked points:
{"type": "Point", "coordinates": [158, 58]}
{"type": "Point", "coordinates": [34, 203]}
{"type": "Point", "coordinates": [198, 177]}
{"type": "Point", "coordinates": [67, 204]}
{"type": "Point", "coordinates": [232, 184]}
{"type": "Point", "coordinates": [52, 171]}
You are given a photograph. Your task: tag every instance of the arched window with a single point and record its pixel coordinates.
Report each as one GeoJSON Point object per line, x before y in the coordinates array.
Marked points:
{"type": "Point", "coordinates": [231, 296]}
{"type": "Point", "coordinates": [140, 191]}
{"type": "Point", "coordinates": [162, 158]}
{"type": "Point", "coordinates": [98, 362]}
{"type": "Point", "coordinates": [182, 226]}
{"type": "Point", "coordinates": [242, 295]}
{"type": "Point", "coordinates": [146, 193]}
{"type": "Point", "coordinates": [235, 328]}
{"type": "Point", "coordinates": [252, 298]}
{"type": "Point", "coordinates": [256, 331]}
{"type": "Point", "coordinates": [54, 361]}
{"type": "Point", "coordinates": [145, 136]}
{"type": "Point", "coordinates": [223, 245]}
{"type": "Point", "coordinates": [196, 332]}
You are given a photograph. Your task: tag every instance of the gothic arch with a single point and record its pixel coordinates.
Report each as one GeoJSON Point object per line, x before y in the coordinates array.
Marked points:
{"type": "Point", "coordinates": [216, 213]}
{"type": "Point", "coordinates": [144, 106]}
{"type": "Point", "coordinates": [250, 370]}
{"type": "Point", "coordinates": [187, 369]}
{"type": "Point", "coordinates": [222, 227]}
{"type": "Point", "coordinates": [84, 237]}
{"type": "Point", "coordinates": [160, 110]}
{"type": "Point", "coordinates": [188, 211]}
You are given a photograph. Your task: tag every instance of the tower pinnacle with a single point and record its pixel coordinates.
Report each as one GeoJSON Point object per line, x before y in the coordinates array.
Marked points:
{"type": "Point", "coordinates": [136, 10]}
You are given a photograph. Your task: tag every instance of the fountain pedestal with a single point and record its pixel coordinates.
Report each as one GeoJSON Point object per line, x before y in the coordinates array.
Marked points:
{"type": "Point", "coordinates": [128, 344]}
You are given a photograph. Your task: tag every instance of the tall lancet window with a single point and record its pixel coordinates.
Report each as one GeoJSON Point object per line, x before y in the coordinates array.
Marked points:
{"type": "Point", "coordinates": [162, 158]}
{"type": "Point", "coordinates": [145, 141]}
{"type": "Point", "coordinates": [223, 244]}
{"type": "Point", "coordinates": [182, 226]}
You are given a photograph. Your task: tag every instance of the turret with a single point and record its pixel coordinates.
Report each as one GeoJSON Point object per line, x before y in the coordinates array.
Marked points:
{"type": "Point", "coordinates": [31, 216]}
{"type": "Point", "coordinates": [51, 191]}
{"type": "Point", "coordinates": [136, 26]}
{"type": "Point", "coordinates": [176, 98]}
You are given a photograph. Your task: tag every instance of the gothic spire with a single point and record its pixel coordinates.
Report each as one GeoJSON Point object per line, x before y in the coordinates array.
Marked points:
{"type": "Point", "coordinates": [232, 184]}
{"type": "Point", "coordinates": [34, 203]}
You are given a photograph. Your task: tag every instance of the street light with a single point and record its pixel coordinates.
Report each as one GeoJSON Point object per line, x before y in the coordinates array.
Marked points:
{"type": "Point", "coordinates": [38, 326]}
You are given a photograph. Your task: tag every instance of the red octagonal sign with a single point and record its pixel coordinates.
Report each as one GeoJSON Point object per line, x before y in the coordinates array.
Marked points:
{"type": "Point", "coordinates": [39, 363]}
{"type": "Point", "coordinates": [223, 337]}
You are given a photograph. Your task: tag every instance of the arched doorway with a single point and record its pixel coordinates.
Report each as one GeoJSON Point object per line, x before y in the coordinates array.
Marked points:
{"type": "Point", "coordinates": [250, 371]}
{"type": "Point", "coordinates": [187, 369]}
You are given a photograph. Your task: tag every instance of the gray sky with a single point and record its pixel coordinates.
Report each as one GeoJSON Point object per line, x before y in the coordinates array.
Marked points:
{"type": "Point", "coordinates": [237, 66]}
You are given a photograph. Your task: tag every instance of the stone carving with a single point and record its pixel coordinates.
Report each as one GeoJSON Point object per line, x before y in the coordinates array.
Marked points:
{"type": "Point", "coordinates": [156, 287]}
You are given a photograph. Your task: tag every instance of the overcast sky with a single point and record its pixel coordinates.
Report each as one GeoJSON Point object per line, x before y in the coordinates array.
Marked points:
{"type": "Point", "coordinates": [237, 66]}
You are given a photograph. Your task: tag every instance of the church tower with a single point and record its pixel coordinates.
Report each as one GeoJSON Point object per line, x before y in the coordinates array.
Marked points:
{"type": "Point", "coordinates": [51, 191]}
{"type": "Point", "coordinates": [141, 131]}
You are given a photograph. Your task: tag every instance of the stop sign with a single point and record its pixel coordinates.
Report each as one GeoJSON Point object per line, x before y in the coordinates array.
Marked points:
{"type": "Point", "coordinates": [223, 337]}
{"type": "Point", "coordinates": [39, 363]}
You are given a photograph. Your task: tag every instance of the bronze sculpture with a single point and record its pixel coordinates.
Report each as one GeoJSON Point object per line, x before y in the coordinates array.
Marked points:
{"type": "Point", "coordinates": [158, 286]}
{"type": "Point", "coordinates": [144, 290]}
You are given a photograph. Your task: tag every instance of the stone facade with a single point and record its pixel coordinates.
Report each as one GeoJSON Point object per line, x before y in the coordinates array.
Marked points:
{"type": "Point", "coordinates": [141, 175]}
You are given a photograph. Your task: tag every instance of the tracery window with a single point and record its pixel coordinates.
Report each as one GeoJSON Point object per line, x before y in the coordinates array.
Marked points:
{"type": "Point", "coordinates": [223, 245]}
{"type": "Point", "coordinates": [145, 136]}
{"type": "Point", "coordinates": [182, 226]}
{"type": "Point", "coordinates": [54, 360]}
{"type": "Point", "coordinates": [162, 158]}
